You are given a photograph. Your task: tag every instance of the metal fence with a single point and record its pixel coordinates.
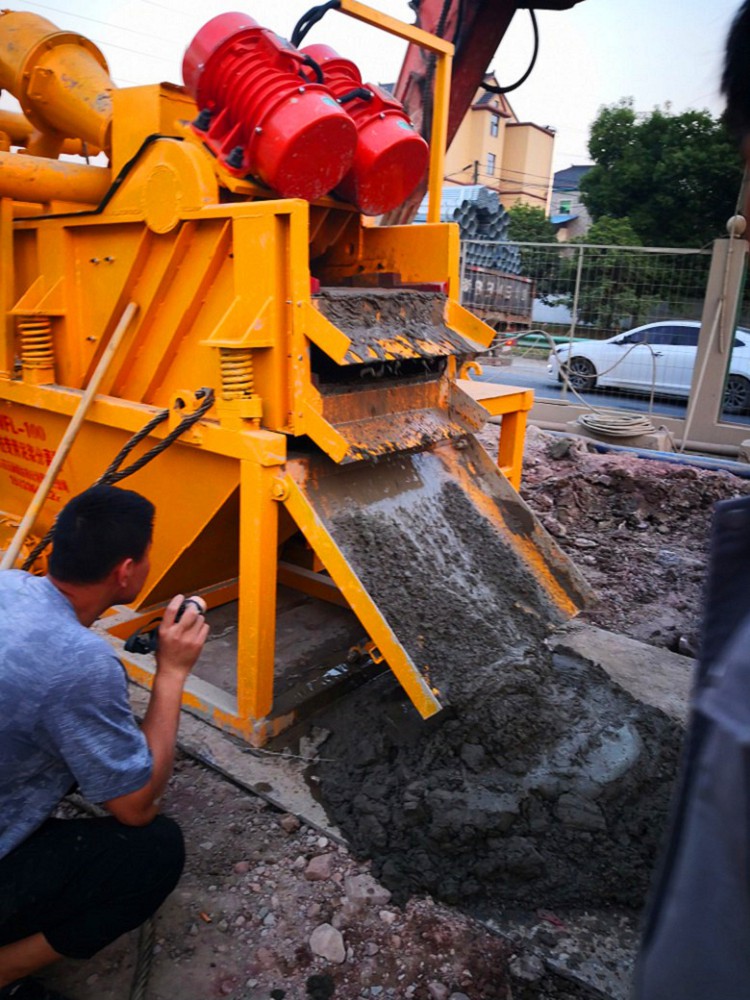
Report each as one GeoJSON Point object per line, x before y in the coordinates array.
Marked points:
{"type": "Point", "coordinates": [608, 325]}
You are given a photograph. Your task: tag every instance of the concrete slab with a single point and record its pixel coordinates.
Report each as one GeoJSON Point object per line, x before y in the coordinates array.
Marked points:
{"type": "Point", "coordinates": [276, 777]}
{"type": "Point", "coordinates": [655, 676]}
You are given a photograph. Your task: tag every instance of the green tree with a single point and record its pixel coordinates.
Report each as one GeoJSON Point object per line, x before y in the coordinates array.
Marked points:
{"type": "Point", "coordinates": [529, 224]}
{"type": "Point", "coordinates": [675, 177]}
{"type": "Point", "coordinates": [618, 287]}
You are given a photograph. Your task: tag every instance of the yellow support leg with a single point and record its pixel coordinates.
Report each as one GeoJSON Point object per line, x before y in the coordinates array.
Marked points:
{"type": "Point", "coordinates": [259, 514]}
{"type": "Point", "coordinates": [387, 646]}
{"type": "Point", "coordinates": [510, 452]}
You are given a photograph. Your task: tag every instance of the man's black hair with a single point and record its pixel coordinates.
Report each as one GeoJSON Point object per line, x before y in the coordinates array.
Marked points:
{"type": "Point", "coordinates": [735, 82]}
{"type": "Point", "coordinates": [98, 529]}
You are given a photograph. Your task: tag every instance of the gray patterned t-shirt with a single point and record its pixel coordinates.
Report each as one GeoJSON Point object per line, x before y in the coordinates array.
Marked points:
{"type": "Point", "coordinates": [64, 711]}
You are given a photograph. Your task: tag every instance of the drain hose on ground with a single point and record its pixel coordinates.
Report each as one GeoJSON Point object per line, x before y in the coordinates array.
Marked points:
{"type": "Point", "coordinates": [616, 424]}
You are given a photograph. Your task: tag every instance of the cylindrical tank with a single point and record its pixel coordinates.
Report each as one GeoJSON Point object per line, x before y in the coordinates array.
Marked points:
{"type": "Point", "coordinates": [260, 114]}
{"type": "Point", "coordinates": [391, 157]}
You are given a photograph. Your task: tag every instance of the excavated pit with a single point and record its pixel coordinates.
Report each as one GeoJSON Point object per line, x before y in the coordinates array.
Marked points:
{"type": "Point", "coordinates": [542, 781]}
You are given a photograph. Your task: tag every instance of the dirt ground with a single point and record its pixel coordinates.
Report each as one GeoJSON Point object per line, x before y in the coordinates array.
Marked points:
{"type": "Point", "coordinates": [270, 908]}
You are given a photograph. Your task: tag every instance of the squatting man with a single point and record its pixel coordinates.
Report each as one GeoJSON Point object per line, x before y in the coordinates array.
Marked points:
{"type": "Point", "coordinates": [70, 887]}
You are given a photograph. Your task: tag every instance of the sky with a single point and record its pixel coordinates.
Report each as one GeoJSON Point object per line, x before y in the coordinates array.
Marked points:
{"type": "Point", "coordinates": [655, 51]}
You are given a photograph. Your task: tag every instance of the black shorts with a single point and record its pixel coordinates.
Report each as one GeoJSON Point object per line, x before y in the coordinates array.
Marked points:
{"type": "Point", "coordinates": [84, 882]}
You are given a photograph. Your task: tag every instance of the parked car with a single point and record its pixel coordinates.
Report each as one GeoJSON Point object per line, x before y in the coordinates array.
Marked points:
{"type": "Point", "coordinates": [657, 357]}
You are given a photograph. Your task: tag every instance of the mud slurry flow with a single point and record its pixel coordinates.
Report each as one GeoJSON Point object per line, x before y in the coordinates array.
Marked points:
{"type": "Point", "coordinates": [543, 781]}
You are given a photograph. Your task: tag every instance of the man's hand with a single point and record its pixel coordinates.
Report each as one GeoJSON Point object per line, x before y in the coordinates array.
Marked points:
{"type": "Point", "coordinates": [180, 642]}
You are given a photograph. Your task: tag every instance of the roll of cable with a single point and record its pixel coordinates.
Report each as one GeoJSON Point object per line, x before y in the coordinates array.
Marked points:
{"type": "Point", "coordinates": [616, 425]}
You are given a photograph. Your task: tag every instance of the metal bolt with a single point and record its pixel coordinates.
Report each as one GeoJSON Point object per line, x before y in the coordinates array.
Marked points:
{"type": "Point", "coordinates": [203, 120]}
{"type": "Point", "coordinates": [258, 130]}
{"type": "Point", "coordinates": [94, 260]}
{"type": "Point", "coordinates": [381, 115]}
{"type": "Point", "coordinates": [235, 158]}
{"type": "Point", "coordinates": [301, 90]}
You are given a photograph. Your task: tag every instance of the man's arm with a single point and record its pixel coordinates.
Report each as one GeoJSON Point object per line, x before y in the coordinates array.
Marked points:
{"type": "Point", "coordinates": [180, 643]}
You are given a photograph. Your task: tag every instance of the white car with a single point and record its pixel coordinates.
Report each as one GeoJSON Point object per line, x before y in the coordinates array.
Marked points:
{"type": "Point", "coordinates": [658, 357]}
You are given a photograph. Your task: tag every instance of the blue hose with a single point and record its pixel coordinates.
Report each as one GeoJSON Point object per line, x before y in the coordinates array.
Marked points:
{"type": "Point", "coordinates": [740, 469]}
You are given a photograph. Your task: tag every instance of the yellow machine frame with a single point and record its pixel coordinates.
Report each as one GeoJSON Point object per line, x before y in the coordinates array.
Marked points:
{"type": "Point", "coordinates": [218, 283]}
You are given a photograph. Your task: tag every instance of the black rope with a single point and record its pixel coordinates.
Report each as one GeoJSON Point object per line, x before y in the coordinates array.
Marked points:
{"type": "Point", "coordinates": [514, 86]}
{"type": "Point", "coordinates": [114, 474]}
{"type": "Point", "coordinates": [310, 19]}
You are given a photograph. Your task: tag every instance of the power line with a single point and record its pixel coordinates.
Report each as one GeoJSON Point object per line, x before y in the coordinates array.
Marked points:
{"type": "Point", "coordinates": [503, 177]}
{"type": "Point", "coordinates": [96, 20]}
{"type": "Point", "coordinates": [137, 52]}
{"type": "Point", "coordinates": [163, 6]}
{"type": "Point", "coordinates": [506, 170]}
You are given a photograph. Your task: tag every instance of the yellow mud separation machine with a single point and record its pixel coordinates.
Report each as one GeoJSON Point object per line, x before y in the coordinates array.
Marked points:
{"type": "Point", "coordinates": [211, 291]}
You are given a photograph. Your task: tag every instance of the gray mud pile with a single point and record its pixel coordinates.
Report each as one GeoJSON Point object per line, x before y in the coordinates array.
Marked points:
{"type": "Point", "coordinates": [543, 782]}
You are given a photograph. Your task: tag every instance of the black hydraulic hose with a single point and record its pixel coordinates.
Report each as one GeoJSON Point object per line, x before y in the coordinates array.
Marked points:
{"type": "Point", "coordinates": [459, 24]}
{"type": "Point", "coordinates": [310, 19]}
{"type": "Point", "coordinates": [114, 186]}
{"type": "Point", "coordinates": [359, 92]}
{"type": "Point", "coordinates": [514, 86]}
{"type": "Point", "coordinates": [315, 67]}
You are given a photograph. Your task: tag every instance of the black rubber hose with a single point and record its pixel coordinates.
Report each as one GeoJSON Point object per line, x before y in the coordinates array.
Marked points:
{"type": "Point", "coordinates": [359, 92]}
{"type": "Point", "coordinates": [514, 86]}
{"type": "Point", "coordinates": [315, 67]}
{"type": "Point", "coordinates": [310, 19]}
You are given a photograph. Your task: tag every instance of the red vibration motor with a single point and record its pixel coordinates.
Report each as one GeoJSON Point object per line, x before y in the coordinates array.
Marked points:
{"type": "Point", "coordinates": [391, 156]}
{"type": "Point", "coordinates": [260, 114]}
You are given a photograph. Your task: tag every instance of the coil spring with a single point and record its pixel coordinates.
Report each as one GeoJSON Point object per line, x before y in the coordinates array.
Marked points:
{"type": "Point", "coordinates": [237, 374]}
{"type": "Point", "coordinates": [36, 342]}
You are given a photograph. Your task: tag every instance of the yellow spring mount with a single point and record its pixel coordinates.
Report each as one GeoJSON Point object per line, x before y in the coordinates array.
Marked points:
{"type": "Point", "coordinates": [36, 349]}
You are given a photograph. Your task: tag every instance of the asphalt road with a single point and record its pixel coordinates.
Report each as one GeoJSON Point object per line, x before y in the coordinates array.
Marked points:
{"type": "Point", "coordinates": [532, 374]}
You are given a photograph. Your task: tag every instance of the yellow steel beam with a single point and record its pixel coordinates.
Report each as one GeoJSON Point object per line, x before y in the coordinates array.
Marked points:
{"type": "Point", "coordinates": [444, 53]}
{"type": "Point", "coordinates": [512, 404]}
{"type": "Point", "coordinates": [256, 633]}
{"type": "Point", "coordinates": [7, 289]}
{"type": "Point", "coordinates": [267, 448]}
{"type": "Point", "coordinates": [439, 135]}
{"type": "Point", "coordinates": [410, 32]}
{"type": "Point", "coordinates": [467, 324]}
{"type": "Point", "coordinates": [324, 334]}
{"type": "Point", "coordinates": [309, 582]}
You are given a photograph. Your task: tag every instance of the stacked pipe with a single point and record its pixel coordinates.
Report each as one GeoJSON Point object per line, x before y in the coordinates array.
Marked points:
{"type": "Point", "coordinates": [483, 223]}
